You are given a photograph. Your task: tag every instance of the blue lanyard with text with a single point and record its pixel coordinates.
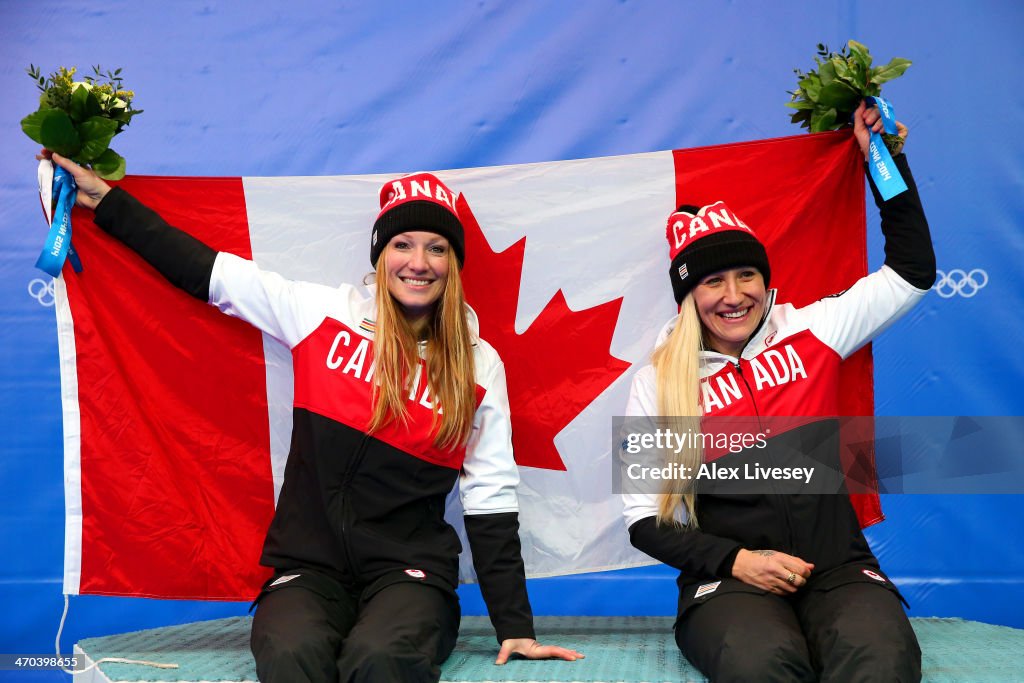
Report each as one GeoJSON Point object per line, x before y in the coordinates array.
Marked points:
{"type": "Point", "coordinates": [58, 242]}
{"type": "Point", "coordinates": [883, 169]}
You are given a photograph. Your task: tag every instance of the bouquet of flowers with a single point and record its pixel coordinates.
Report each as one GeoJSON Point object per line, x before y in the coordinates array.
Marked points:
{"type": "Point", "coordinates": [78, 119]}
{"type": "Point", "coordinates": [826, 97]}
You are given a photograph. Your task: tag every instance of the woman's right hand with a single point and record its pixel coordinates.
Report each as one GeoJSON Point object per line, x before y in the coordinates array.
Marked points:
{"type": "Point", "coordinates": [91, 188]}
{"type": "Point", "coordinates": [867, 119]}
{"type": "Point", "coordinates": [771, 570]}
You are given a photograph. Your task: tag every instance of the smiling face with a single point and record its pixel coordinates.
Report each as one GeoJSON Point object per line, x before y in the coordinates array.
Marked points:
{"type": "Point", "coordinates": [730, 304]}
{"type": "Point", "coordinates": [416, 264]}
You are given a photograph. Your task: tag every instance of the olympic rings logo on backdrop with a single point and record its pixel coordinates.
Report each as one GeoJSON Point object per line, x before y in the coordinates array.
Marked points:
{"type": "Point", "coordinates": [958, 281]}
{"type": "Point", "coordinates": [42, 291]}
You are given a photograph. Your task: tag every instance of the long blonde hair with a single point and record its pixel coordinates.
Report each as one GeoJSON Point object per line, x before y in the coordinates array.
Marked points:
{"type": "Point", "coordinates": [677, 372]}
{"type": "Point", "coordinates": [451, 376]}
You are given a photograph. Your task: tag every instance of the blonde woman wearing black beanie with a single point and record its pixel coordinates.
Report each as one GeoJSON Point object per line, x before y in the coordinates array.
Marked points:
{"type": "Point", "coordinates": [776, 584]}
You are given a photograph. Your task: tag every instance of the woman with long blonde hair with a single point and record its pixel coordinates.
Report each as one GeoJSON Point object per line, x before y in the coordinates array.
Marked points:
{"type": "Point", "coordinates": [396, 399]}
{"type": "Point", "coordinates": [777, 582]}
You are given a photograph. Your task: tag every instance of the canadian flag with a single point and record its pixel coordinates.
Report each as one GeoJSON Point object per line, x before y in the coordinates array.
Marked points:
{"type": "Point", "coordinates": [177, 418]}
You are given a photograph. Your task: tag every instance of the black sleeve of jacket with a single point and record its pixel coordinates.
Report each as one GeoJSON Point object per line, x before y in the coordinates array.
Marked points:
{"type": "Point", "coordinates": [498, 560]}
{"type": "Point", "coordinates": [908, 243]}
{"type": "Point", "coordinates": [691, 551]}
{"type": "Point", "coordinates": [182, 259]}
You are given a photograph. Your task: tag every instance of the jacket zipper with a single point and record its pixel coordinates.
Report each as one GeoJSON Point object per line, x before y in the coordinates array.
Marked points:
{"type": "Point", "coordinates": [781, 501]}
{"type": "Point", "coordinates": [750, 393]}
{"type": "Point", "coordinates": [346, 507]}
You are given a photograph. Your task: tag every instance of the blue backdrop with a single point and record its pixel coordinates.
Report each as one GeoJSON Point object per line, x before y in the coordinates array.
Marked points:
{"type": "Point", "coordinates": [305, 88]}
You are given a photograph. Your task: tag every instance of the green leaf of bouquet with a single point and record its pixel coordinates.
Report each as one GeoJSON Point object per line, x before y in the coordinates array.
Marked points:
{"type": "Point", "coordinates": [44, 101]}
{"type": "Point", "coordinates": [110, 165]}
{"type": "Point", "coordinates": [839, 95]}
{"type": "Point", "coordinates": [860, 53]}
{"type": "Point", "coordinates": [800, 104]}
{"type": "Point", "coordinates": [813, 89]}
{"type": "Point", "coordinates": [822, 120]}
{"type": "Point", "coordinates": [803, 117]}
{"type": "Point", "coordinates": [858, 76]}
{"type": "Point", "coordinates": [78, 97]}
{"type": "Point", "coordinates": [827, 73]}
{"type": "Point", "coordinates": [96, 134]}
{"type": "Point", "coordinates": [52, 128]}
{"type": "Point", "coordinates": [850, 78]}
{"type": "Point", "coordinates": [894, 69]}
{"type": "Point", "coordinates": [33, 124]}
{"type": "Point", "coordinates": [84, 104]}
{"type": "Point", "coordinates": [92, 105]}
{"type": "Point", "coordinates": [841, 67]}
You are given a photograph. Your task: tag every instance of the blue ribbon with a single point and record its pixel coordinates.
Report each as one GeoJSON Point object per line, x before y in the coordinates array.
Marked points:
{"type": "Point", "coordinates": [883, 169]}
{"type": "Point", "coordinates": [58, 242]}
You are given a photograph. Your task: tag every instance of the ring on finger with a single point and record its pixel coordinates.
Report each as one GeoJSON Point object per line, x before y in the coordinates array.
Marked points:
{"type": "Point", "coordinates": [791, 579]}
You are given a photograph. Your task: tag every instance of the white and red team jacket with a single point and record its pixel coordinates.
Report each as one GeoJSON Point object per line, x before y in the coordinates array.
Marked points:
{"type": "Point", "coordinates": [788, 369]}
{"type": "Point", "coordinates": [366, 509]}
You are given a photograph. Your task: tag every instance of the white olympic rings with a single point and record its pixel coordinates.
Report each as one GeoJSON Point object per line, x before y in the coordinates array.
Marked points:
{"type": "Point", "coordinates": [42, 291]}
{"type": "Point", "coordinates": [958, 281]}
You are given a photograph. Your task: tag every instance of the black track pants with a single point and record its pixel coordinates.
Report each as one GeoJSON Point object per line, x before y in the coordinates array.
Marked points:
{"type": "Point", "coordinates": [850, 633]}
{"type": "Point", "coordinates": [311, 630]}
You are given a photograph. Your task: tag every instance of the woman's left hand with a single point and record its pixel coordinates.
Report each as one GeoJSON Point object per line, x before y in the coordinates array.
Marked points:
{"type": "Point", "coordinates": [91, 188]}
{"type": "Point", "coordinates": [531, 649]}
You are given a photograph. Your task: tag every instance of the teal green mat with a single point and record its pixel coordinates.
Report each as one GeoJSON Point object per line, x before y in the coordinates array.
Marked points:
{"type": "Point", "coordinates": [620, 649]}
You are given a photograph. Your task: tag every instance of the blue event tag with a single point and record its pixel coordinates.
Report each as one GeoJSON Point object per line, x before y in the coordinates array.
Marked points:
{"type": "Point", "coordinates": [58, 242]}
{"type": "Point", "coordinates": [883, 169]}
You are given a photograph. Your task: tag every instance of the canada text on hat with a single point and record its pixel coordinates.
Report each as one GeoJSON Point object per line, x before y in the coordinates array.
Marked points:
{"type": "Point", "coordinates": [417, 202]}
{"type": "Point", "coordinates": [416, 187]}
{"type": "Point", "coordinates": [683, 228]}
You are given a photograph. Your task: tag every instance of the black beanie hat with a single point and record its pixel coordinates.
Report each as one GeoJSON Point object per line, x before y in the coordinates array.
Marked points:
{"type": "Point", "coordinates": [417, 202]}
{"type": "Point", "coordinates": [706, 241]}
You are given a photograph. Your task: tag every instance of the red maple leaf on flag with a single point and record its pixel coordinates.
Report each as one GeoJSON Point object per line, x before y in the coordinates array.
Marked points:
{"type": "Point", "coordinates": [558, 366]}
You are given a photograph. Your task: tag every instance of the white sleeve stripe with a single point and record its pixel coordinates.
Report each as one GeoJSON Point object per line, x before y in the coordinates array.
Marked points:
{"type": "Point", "coordinates": [848, 321]}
